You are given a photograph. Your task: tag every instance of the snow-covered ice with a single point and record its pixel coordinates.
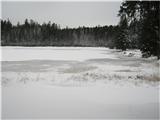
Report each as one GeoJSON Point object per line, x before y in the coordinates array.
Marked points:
{"type": "Point", "coordinates": [75, 82]}
{"type": "Point", "coordinates": [56, 53]}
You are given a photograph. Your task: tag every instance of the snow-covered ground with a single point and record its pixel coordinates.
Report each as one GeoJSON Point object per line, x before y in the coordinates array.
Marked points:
{"type": "Point", "coordinates": [75, 82]}
{"type": "Point", "coordinates": [54, 53]}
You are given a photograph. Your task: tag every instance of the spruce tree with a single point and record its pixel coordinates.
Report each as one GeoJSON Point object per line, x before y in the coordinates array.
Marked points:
{"type": "Point", "coordinates": [146, 14]}
{"type": "Point", "coordinates": [122, 37]}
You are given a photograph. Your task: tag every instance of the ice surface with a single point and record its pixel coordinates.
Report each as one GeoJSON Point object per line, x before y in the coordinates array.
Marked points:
{"type": "Point", "coordinates": [54, 53]}
{"type": "Point", "coordinates": [98, 83]}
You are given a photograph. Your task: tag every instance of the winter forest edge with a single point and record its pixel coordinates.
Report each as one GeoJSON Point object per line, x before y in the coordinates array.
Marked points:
{"type": "Point", "coordinates": [138, 28]}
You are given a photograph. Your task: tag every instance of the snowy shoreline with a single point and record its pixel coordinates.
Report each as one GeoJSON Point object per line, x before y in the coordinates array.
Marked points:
{"type": "Point", "coordinates": [78, 83]}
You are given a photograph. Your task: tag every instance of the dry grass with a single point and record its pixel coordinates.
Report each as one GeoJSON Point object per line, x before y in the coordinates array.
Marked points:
{"type": "Point", "coordinates": [78, 69]}
{"type": "Point", "coordinates": [152, 78]}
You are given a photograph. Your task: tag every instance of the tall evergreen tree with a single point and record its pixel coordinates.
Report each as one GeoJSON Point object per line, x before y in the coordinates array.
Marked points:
{"type": "Point", "coordinates": [122, 38]}
{"type": "Point", "coordinates": [146, 14]}
{"type": "Point", "coordinates": [149, 35]}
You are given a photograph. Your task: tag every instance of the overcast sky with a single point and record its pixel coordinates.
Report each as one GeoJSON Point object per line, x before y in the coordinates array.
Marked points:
{"type": "Point", "coordinates": [71, 14]}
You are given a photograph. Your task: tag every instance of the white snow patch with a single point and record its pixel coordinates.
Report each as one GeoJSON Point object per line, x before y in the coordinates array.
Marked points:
{"type": "Point", "coordinates": [55, 53]}
{"type": "Point", "coordinates": [133, 53]}
{"type": "Point", "coordinates": [106, 92]}
{"type": "Point", "coordinates": [100, 101]}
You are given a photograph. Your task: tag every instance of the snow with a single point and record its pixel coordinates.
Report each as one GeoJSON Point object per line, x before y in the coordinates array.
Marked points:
{"type": "Point", "coordinates": [131, 53]}
{"type": "Point", "coordinates": [78, 83]}
{"type": "Point", "coordinates": [37, 101]}
{"type": "Point", "coordinates": [56, 53]}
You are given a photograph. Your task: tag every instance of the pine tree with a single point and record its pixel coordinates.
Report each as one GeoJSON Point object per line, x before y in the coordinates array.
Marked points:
{"type": "Point", "coordinates": [149, 35]}
{"type": "Point", "coordinates": [122, 38]}
{"type": "Point", "coordinates": [146, 14]}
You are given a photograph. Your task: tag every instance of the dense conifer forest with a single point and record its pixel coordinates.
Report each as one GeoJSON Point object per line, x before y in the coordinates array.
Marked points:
{"type": "Point", "coordinates": [138, 28]}
{"type": "Point", "coordinates": [50, 34]}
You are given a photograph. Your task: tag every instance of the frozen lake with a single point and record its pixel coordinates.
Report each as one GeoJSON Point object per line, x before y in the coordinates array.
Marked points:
{"type": "Point", "coordinates": [76, 82]}
{"type": "Point", "coordinates": [55, 53]}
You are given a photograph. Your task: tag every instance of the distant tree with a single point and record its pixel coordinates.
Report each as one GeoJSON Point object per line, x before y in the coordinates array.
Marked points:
{"type": "Point", "coordinates": [26, 23]}
{"type": "Point", "coordinates": [30, 33]}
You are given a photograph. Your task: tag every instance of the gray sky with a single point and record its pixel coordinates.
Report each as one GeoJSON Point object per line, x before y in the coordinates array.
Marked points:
{"type": "Point", "coordinates": [71, 14]}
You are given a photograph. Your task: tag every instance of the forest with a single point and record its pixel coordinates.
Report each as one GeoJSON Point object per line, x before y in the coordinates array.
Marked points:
{"type": "Point", "coordinates": [138, 28]}
{"type": "Point", "coordinates": [50, 34]}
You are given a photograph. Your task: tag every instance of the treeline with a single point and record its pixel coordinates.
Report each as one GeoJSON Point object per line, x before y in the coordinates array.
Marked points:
{"type": "Point", "coordinates": [50, 34]}
{"type": "Point", "coordinates": [138, 28]}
